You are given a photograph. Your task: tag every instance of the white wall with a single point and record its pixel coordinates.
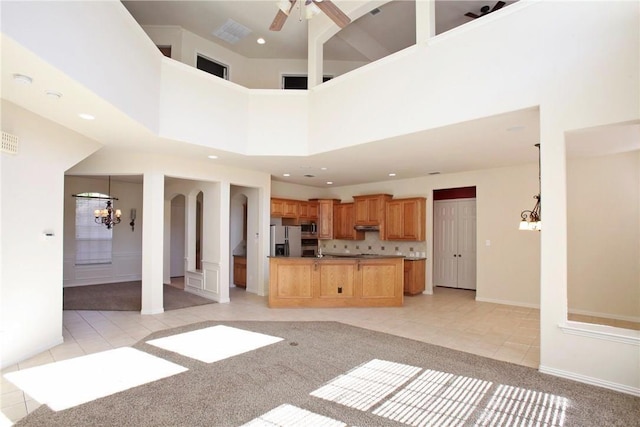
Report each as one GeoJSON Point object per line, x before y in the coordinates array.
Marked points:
{"type": "Point", "coordinates": [604, 236]}
{"type": "Point", "coordinates": [32, 183]}
{"type": "Point", "coordinates": [126, 264]}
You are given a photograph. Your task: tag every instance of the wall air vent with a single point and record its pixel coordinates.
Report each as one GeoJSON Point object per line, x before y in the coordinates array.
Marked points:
{"type": "Point", "coordinates": [9, 143]}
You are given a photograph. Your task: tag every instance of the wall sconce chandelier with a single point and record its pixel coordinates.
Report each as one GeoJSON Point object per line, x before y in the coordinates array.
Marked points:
{"type": "Point", "coordinates": [531, 220]}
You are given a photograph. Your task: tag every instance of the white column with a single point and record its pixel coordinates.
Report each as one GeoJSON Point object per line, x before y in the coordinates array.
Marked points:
{"type": "Point", "coordinates": [190, 234]}
{"type": "Point", "coordinates": [425, 20]}
{"type": "Point", "coordinates": [166, 265]}
{"type": "Point", "coordinates": [152, 243]}
{"type": "Point", "coordinates": [315, 58]}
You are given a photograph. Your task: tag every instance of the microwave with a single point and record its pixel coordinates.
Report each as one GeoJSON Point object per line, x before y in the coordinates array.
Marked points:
{"type": "Point", "coordinates": [309, 228]}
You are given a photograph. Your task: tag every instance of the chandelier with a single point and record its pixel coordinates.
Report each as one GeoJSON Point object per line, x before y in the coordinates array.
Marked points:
{"type": "Point", "coordinates": [108, 216]}
{"type": "Point", "coordinates": [531, 220]}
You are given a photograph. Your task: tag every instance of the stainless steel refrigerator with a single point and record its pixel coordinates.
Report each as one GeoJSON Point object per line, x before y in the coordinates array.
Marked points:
{"type": "Point", "coordinates": [286, 240]}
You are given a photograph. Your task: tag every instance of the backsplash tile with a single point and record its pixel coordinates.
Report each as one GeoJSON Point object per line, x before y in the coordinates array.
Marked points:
{"type": "Point", "coordinates": [373, 245]}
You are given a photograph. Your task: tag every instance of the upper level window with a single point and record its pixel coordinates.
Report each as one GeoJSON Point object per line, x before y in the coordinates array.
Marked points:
{"type": "Point", "coordinates": [298, 81]}
{"type": "Point", "coordinates": [212, 67]}
{"type": "Point", "coordinates": [93, 241]}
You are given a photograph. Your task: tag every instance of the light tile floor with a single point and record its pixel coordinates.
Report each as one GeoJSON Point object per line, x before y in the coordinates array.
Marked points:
{"type": "Point", "coordinates": [450, 318]}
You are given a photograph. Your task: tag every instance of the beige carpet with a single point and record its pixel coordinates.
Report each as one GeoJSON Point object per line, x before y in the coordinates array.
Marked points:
{"type": "Point", "coordinates": [124, 296]}
{"type": "Point", "coordinates": [336, 374]}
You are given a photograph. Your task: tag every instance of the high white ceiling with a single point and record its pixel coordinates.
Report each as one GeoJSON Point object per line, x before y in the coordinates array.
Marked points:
{"type": "Point", "coordinates": [490, 142]}
{"type": "Point", "coordinates": [393, 28]}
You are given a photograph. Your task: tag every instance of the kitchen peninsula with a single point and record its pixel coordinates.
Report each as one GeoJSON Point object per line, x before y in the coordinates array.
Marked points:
{"type": "Point", "coordinates": [336, 281]}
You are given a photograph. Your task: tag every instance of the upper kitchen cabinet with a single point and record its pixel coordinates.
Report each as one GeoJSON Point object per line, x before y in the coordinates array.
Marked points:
{"type": "Point", "coordinates": [284, 208]}
{"type": "Point", "coordinates": [343, 222]}
{"type": "Point", "coordinates": [405, 219]}
{"type": "Point", "coordinates": [325, 217]}
{"type": "Point", "coordinates": [370, 209]}
{"type": "Point", "coordinates": [307, 211]}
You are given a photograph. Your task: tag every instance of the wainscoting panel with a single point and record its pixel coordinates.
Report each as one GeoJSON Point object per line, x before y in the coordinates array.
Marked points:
{"type": "Point", "coordinates": [125, 267]}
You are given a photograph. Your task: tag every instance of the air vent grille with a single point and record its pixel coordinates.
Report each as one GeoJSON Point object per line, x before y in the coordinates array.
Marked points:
{"type": "Point", "coordinates": [9, 143]}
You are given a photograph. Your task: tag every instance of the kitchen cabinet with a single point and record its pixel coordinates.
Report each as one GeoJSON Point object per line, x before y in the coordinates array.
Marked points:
{"type": "Point", "coordinates": [240, 271]}
{"type": "Point", "coordinates": [405, 219]}
{"type": "Point", "coordinates": [325, 217]}
{"type": "Point", "coordinates": [343, 222]}
{"type": "Point", "coordinates": [284, 208]}
{"type": "Point", "coordinates": [307, 211]}
{"type": "Point", "coordinates": [336, 282]}
{"type": "Point", "coordinates": [414, 276]}
{"type": "Point", "coordinates": [370, 209]}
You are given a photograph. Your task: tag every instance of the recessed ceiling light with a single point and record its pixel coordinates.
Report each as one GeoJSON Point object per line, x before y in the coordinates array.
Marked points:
{"type": "Point", "coordinates": [323, 169]}
{"type": "Point", "coordinates": [261, 41]}
{"type": "Point", "coordinates": [329, 182]}
{"type": "Point", "coordinates": [392, 174]}
{"type": "Point", "coordinates": [86, 116]}
{"type": "Point", "coordinates": [22, 78]}
{"type": "Point", "coordinates": [212, 156]}
{"type": "Point", "coordinates": [286, 174]}
{"type": "Point", "coordinates": [53, 94]}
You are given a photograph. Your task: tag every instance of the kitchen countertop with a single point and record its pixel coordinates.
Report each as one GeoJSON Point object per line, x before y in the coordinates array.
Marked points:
{"type": "Point", "coordinates": [354, 256]}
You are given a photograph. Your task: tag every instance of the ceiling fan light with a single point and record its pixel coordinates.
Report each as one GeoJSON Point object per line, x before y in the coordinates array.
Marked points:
{"type": "Point", "coordinates": [284, 5]}
{"type": "Point", "coordinates": [311, 10]}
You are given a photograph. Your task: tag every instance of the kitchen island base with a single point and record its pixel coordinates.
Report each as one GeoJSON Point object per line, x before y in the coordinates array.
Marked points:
{"type": "Point", "coordinates": [336, 282]}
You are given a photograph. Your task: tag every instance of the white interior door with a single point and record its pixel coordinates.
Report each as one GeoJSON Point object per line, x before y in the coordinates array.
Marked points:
{"type": "Point", "coordinates": [466, 219]}
{"type": "Point", "coordinates": [444, 244]}
{"type": "Point", "coordinates": [454, 243]}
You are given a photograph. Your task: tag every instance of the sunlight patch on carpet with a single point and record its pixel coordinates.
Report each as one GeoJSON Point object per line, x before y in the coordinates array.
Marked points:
{"type": "Point", "coordinates": [215, 343]}
{"type": "Point", "coordinates": [289, 415]}
{"type": "Point", "coordinates": [68, 383]}
{"type": "Point", "coordinates": [366, 385]}
{"type": "Point", "coordinates": [519, 406]}
{"type": "Point", "coordinates": [435, 398]}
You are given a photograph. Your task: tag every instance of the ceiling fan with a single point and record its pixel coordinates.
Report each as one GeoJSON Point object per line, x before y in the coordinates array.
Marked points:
{"type": "Point", "coordinates": [326, 6]}
{"type": "Point", "coordinates": [484, 10]}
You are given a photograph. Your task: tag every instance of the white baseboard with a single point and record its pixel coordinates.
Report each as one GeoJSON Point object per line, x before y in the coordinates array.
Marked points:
{"type": "Point", "coordinates": [605, 315]}
{"type": "Point", "coordinates": [634, 391]}
{"type": "Point", "coordinates": [507, 302]}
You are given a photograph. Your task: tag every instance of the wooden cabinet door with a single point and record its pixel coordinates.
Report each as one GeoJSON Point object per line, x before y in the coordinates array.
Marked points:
{"type": "Point", "coordinates": [312, 210]}
{"type": "Point", "coordinates": [378, 279]}
{"type": "Point", "coordinates": [336, 279]}
{"type": "Point", "coordinates": [240, 271]}
{"type": "Point", "coordinates": [325, 219]}
{"type": "Point", "coordinates": [303, 210]}
{"type": "Point", "coordinates": [414, 276]}
{"type": "Point", "coordinates": [393, 220]}
{"type": "Point", "coordinates": [290, 209]}
{"type": "Point", "coordinates": [343, 215]}
{"type": "Point", "coordinates": [405, 219]}
{"type": "Point", "coordinates": [370, 210]}
{"type": "Point", "coordinates": [277, 207]}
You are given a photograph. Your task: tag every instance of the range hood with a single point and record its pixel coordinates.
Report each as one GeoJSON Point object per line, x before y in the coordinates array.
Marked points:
{"type": "Point", "coordinates": [367, 228]}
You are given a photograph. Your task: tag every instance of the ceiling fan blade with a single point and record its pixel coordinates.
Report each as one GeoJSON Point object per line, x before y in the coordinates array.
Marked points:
{"type": "Point", "coordinates": [281, 17]}
{"type": "Point", "coordinates": [278, 21]}
{"type": "Point", "coordinates": [498, 5]}
{"type": "Point", "coordinates": [333, 12]}
{"type": "Point", "coordinates": [472, 15]}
